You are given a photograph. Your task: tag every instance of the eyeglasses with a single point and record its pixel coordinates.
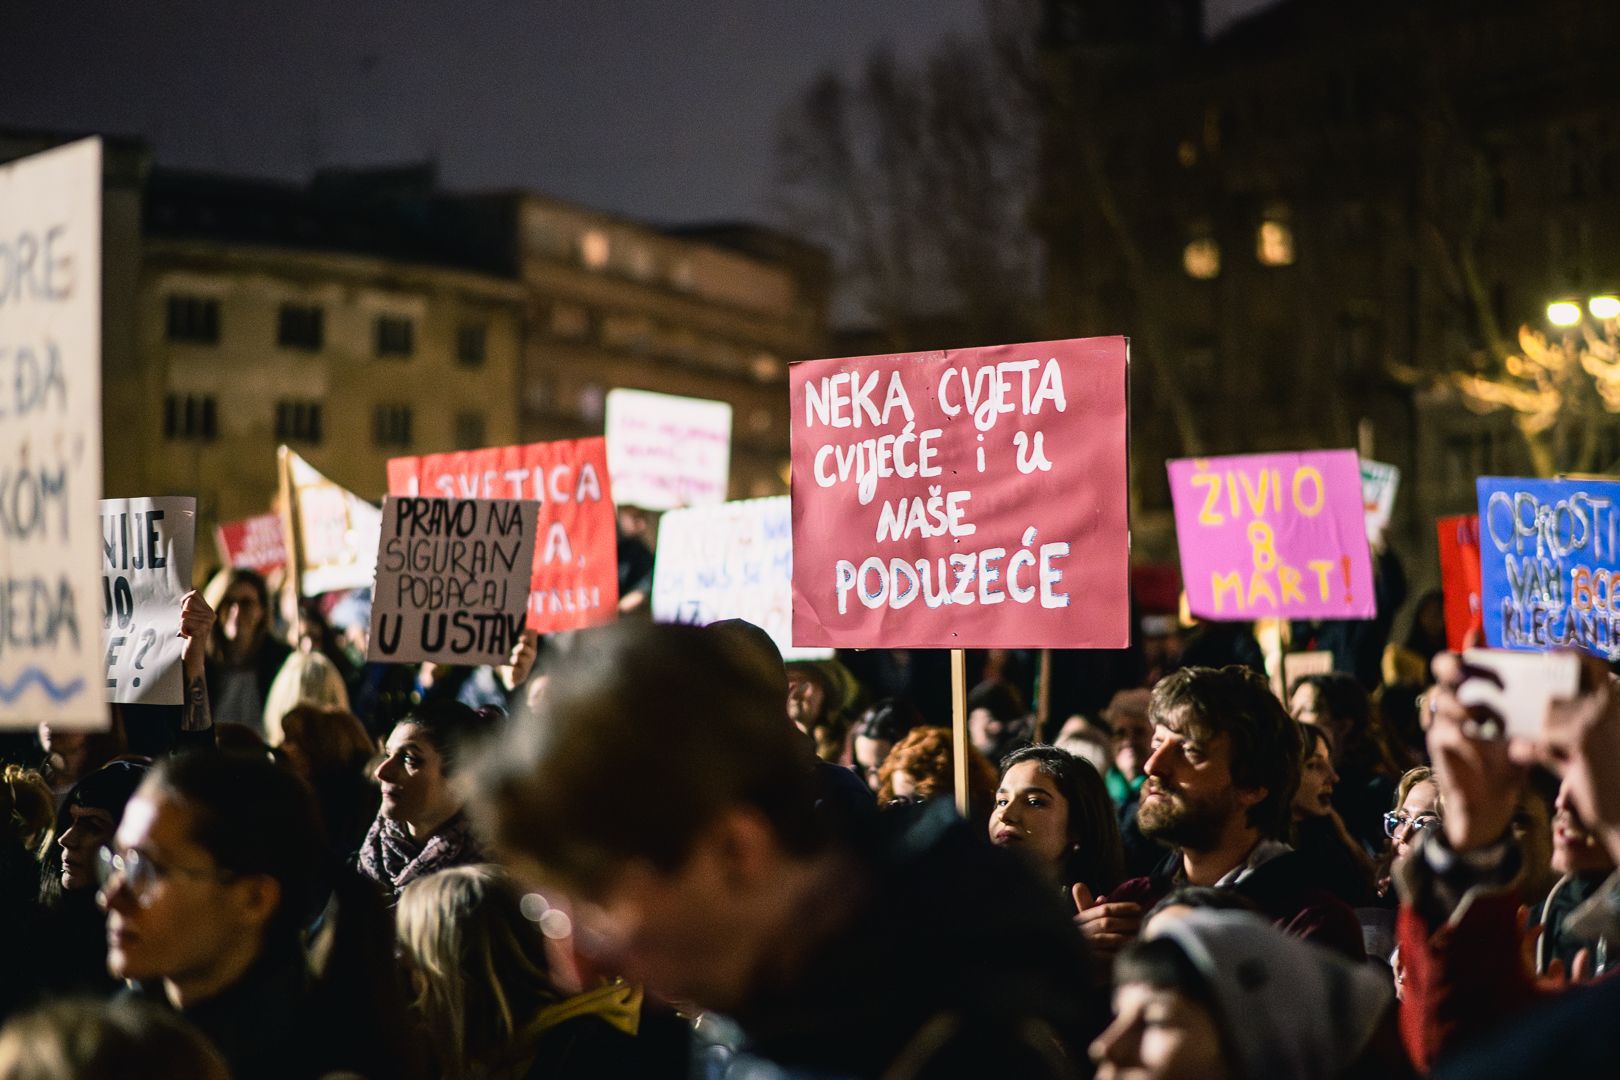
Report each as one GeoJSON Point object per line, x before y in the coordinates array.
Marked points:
{"type": "Point", "coordinates": [1395, 822]}
{"type": "Point", "coordinates": [141, 874]}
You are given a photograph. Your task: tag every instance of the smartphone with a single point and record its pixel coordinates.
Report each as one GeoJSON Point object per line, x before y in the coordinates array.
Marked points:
{"type": "Point", "coordinates": [1515, 688]}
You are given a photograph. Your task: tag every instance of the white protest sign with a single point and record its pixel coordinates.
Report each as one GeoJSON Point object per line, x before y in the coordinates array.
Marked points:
{"type": "Point", "coordinates": [1379, 482]}
{"type": "Point", "coordinates": [147, 547]}
{"type": "Point", "coordinates": [665, 452]}
{"type": "Point", "coordinates": [337, 530]}
{"type": "Point", "coordinates": [50, 439]}
{"type": "Point", "coordinates": [452, 579]}
{"type": "Point", "coordinates": [732, 561]}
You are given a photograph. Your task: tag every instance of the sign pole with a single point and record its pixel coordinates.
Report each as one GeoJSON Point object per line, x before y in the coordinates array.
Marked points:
{"type": "Point", "coordinates": [959, 732]}
{"type": "Point", "coordinates": [1043, 697]}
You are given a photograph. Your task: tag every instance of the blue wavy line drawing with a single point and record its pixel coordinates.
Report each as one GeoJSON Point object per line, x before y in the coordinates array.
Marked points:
{"type": "Point", "coordinates": [36, 675]}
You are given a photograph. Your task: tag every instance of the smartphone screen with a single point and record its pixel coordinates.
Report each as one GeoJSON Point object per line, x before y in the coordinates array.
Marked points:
{"type": "Point", "coordinates": [1517, 687]}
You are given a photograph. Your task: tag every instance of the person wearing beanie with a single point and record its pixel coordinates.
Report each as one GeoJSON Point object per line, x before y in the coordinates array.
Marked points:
{"type": "Point", "coordinates": [1209, 993]}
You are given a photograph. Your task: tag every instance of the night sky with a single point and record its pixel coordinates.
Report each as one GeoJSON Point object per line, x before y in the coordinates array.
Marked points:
{"type": "Point", "coordinates": [661, 109]}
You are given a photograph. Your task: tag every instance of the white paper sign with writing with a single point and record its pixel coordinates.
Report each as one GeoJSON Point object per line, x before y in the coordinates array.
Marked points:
{"type": "Point", "coordinates": [147, 547]}
{"type": "Point", "coordinates": [50, 439]}
{"type": "Point", "coordinates": [337, 530]}
{"type": "Point", "coordinates": [665, 452]}
{"type": "Point", "coordinates": [732, 561]}
{"type": "Point", "coordinates": [1379, 482]}
{"type": "Point", "coordinates": [452, 579]}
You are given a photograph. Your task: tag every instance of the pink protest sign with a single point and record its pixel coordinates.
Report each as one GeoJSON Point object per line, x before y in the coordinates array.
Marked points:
{"type": "Point", "coordinates": [962, 499]}
{"type": "Point", "coordinates": [1273, 535]}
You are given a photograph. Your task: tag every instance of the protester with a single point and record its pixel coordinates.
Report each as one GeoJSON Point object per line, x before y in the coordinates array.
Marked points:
{"type": "Point", "coordinates": [1127, 718]}
{"type": "Point", "coordinates": [920, 768]}
{"type": "Point", "coordinates": [1087, 740]}
{"type": "Point", "coordinates": [307, 678]}
{"type": "Point", "coordinates": [420, 826]}
{"type": "Point", "coordinates": [1367, 765]}
{"type": "Point", "coordinates": [1583, 865]}
{"type": "Point", "coordinates": [708, 876]}
{"type": "Point", "coordinates": [1208, 995]}
{"type": "Point", "coordinates": [1051, 808]}
{"type": "Point", "coordinates": [243, 655]}
{"type": "Point", "coordinates": [874, 735]}
{"type": "Point", "coordinates": [213, 873]}
{"type": "Point", "coordinates": [1221, 783]}
{"type": "Point", "coordinates": [30, 805]}
{"type": "Point", "coordinates": [814, 704]}
{"type": "Point", "coordinates": [490, 1006]}
{"type": "Point", "coordinates": [70, 756]}
{"type": "Point", "coordinates": [1335, 859]}
{"type": "Point", "coordinates": [87, 1040]}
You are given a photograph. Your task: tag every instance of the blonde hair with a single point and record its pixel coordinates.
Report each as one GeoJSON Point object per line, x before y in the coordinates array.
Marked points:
{"type": "Point", "coordinates": [480, 965]}
{"type": "Point", "coordinates": [304, 679]}
{"type": "Point", "coordinates": [26, 798]}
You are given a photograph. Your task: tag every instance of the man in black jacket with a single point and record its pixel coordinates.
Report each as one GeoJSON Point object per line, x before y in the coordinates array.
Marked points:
{"type": "Point", "coordinates": [660, 788]}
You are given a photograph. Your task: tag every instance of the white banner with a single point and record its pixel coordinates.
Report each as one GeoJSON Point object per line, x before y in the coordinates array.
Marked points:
{"type": "Point", "coordinates": [666, 452]}
{"type": "Point", "coordinates": [337, 530]}
{"type": "Point", "coordinates": [50, 439]}
{"type": "Point", "coordinates": [732, 561]}
{"type": "Point", "coordinates": [147, 546]}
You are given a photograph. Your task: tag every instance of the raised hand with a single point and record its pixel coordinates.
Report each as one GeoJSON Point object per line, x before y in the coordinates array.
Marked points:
{"type": "Point", "coordinates": [1581, 742]}
{"type": "Point", "coordinates": [1480, 778]}
{"type": "Point", "coordinates": [196, 623]}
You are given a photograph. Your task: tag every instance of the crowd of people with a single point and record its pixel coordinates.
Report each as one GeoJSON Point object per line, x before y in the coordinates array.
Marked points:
{"type": "Point", "coordinates": [660, 851]}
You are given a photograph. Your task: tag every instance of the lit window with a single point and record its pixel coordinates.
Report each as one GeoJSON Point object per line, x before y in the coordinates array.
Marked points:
{"type": "Point", "coordinates": [1202, 259]}
{"type": "Point", "coordinates": [766, 367]}
{"type": "Point", "coordinates": [1187, 153]}
{"type": "Point", "coordinates": [593, 249]}
{"type": "Point", "coordinates": [1274, 245]}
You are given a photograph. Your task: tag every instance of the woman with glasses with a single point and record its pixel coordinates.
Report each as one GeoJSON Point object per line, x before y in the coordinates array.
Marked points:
{"type": "Point", "coordinates": [214, 873]}
{"type": "Point", "coordinates": [1418, 811]}
{"type": "Point", "coordinates": [243, 655]}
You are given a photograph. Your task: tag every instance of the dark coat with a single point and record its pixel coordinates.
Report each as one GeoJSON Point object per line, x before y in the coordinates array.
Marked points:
{"type": "Point", "coordinates": [1284, 889]}
{"type": "Point", "coordinates": [957, 962]}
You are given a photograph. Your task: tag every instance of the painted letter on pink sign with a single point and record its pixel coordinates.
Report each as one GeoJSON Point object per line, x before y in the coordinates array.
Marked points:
{"type": "Point", "coordinates": [962, 499]}
{"type": "Point", "coordinates": [1273, 535]}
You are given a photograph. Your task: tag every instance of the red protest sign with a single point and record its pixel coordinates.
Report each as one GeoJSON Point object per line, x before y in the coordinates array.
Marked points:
{"type": "Point", "coordinates": [576, 576]}
{"type": "Point", "coordinates": [962, 499]}
{"type": "Point", "coordinates": [255, 543]}
{"type": "Point", "coordinates": [1460, 577]}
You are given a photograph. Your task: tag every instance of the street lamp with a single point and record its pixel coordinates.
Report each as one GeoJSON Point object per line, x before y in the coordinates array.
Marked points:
{"type": "Point", "coordinates": [1564, 313]}
{"type": "Point", "coordinates": [1604, 308]}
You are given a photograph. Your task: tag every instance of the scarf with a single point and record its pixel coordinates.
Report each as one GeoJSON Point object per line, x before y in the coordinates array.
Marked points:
{"type": "Point", "coordinates": [390, 857]}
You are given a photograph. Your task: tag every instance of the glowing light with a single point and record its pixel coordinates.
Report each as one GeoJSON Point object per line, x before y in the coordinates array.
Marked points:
{"type": "Point", "coordinates": [556, 924]}
{"type": "Point", "coordinates": [1275, 244]}
{"type": "Point", "coordinates": [1202, 259]}
{"type": "Point", "coordinates": [534, 906]}
{"type": "Point", "coordinates": [1604, 307]}
{"type": "Point", "coordinates": [1563, 313]}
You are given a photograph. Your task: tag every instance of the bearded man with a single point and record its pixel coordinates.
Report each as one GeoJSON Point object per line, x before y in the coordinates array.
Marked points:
{"type": "Point", "coordinates": [1221, 778]}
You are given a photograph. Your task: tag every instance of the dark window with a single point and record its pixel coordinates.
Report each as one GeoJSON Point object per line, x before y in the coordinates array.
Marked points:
{"type": "Point", "coordinates": [470, 344]}
{"type": "Point", "coordinates": [469, 431]}
{"type": "Point", "coordinates": [396, 336]}
{"type": "Point", "coordinates": [298, 421]}
{"type": "Point", "coordinates": [391, 425]}
{"type": "Point", "coordinates": [190, 416]}
{"type": "Point", "coordinates": [301, 326]}
{"type": "Point", "coordinates": [194, 319]}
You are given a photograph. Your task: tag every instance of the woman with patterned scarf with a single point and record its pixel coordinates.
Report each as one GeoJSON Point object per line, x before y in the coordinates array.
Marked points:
{"type": "Point", "coordinates": [419, 826]}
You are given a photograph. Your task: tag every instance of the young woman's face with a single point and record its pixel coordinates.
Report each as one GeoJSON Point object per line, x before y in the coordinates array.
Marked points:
{"type": "Point", "coordinates": [414, 786]}
{"type": "Point", "coordinates": [1418, 814]}
{"type": "Point", "coordinates": [90, 828]}
{"type": "Point", "coordinates": [1316, 780]}
{"type": "Point", "coordinates": [171, 912]}
{"type": "Point", "coordinates": [241, 613]}
{"type": "Point", "coordinates": [1032, 817]}
{"type": "Point", "coordinates": [1158, 1035]}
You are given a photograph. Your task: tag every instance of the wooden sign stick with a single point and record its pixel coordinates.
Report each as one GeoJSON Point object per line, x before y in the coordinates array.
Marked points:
{"type": "Point", "coordinates": [959, 731]}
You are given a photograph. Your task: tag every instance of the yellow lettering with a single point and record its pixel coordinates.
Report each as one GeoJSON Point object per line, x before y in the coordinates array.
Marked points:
{"type": "Point", "coordinates": [1222, 583]}
{"type": "Point", "coordinates": [1256, 499]}
{"type": "Point", "coordinates": [1258, 584]}
{"type": "Point", "coordinates": [1321, 567]}
{"type": "Point", "coordinates": [1314, 475]}
{"type": "Point", "coordinates": [1264, 544]}
{"type": "Point", "coordinates": [1288, 581]}
{"type": "Point", "coordinates": [1209, 515]}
